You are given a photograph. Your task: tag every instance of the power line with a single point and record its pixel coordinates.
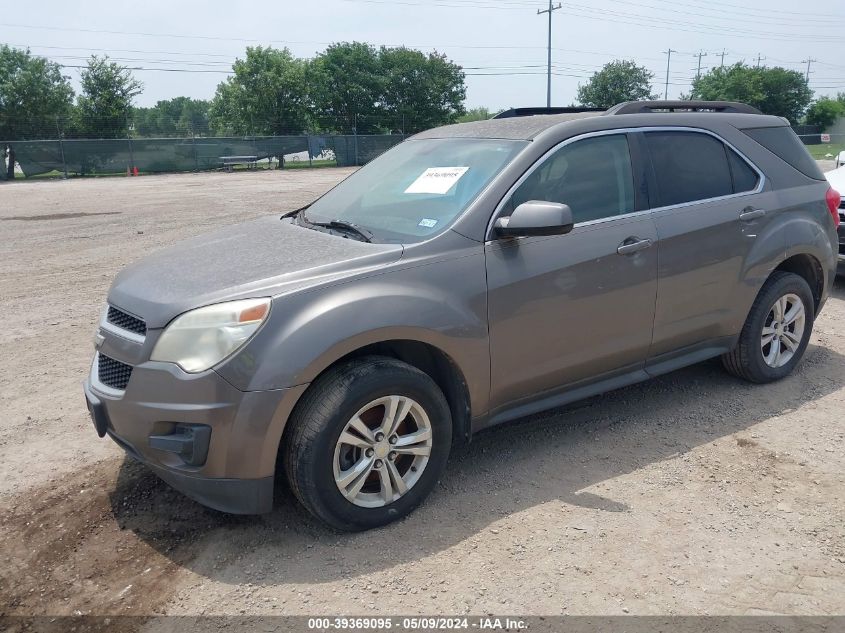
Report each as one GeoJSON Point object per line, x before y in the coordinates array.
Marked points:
{"type": "Point", "coordinates": [721, 15]}
{"type": "Point", "coordinates": [766, 11]}
{"type": "Point", "coordinates": [695, 26]}
{"type": "Point", "coordinates": [588, 12]}
{"type": "Point", "coordinates": [605, 15]}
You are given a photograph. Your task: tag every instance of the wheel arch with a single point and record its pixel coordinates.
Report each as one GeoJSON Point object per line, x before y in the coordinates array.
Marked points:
{"type": "Point", "coordinates": [428, 358]}
{"type": "Point", "coordinates": [808, 268]}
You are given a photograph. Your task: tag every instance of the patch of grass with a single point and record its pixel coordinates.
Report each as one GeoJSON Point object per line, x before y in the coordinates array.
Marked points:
{"type": "Point", "coordinates": [819, 152]}
{"type": "Point", "coordinates": [300, 164]}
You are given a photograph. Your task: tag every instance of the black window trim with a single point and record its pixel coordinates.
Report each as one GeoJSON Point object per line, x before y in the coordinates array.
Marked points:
{"type": "Point", "coordinates": [733, 171]}
{"type": "Point", "coordinates": [645, 164]}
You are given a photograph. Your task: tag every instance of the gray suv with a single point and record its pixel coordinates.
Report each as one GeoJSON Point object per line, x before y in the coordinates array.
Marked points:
{"type": "Point", "coordinates": [474, 274]}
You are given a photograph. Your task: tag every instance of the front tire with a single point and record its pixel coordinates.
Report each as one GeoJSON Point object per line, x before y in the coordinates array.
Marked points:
{"type": "Point", "coordinates": [776, 332]}
{"type": "Point", "coordinates": [367, 443]}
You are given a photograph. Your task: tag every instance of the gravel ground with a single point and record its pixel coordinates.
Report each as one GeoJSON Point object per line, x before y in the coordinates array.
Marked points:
{"type": "Point", "coordinates": [691, 494]}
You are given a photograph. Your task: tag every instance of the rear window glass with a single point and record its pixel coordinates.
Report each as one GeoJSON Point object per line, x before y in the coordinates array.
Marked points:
{"type": "Point", "coordinates": [786, 144]}
{"type": "Point", "coordinates": [689, 166]}
{"type": "Point", "coordinates": [745, 178]}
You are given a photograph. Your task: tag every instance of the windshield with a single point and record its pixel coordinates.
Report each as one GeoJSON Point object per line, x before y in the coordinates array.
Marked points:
{"type": "Point", "coordinates": [417, 188]}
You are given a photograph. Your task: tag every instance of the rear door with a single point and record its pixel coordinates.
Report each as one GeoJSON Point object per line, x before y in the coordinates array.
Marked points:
{"type": "Point", "coordinates": [708, 214]}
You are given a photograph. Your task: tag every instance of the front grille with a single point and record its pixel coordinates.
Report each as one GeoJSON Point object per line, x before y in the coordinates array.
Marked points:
{"type": "Point", "coordinates": [112, 373]}
{"type": "Point", "coordinates": [120, 319]}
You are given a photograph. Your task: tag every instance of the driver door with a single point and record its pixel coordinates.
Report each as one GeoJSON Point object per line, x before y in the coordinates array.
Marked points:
{"type": "Point", "coordinates": [569, 309]}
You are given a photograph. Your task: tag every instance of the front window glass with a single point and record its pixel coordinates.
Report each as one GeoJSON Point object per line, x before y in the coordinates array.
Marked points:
{"type": "Point", "coordinates": [592, 176]}
{"type": "Point", "coordinates": [416, 189]}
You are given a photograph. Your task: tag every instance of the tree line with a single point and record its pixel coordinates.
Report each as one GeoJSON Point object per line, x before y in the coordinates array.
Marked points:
{"type": "Point", "coordinates": [772, 90]}
{"type": "Point", "coordinates": [351, 87]}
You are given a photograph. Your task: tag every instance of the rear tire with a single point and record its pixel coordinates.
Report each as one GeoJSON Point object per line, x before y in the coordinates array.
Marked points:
{"type": "Point", "coordinates": [776, 332]}
{"type": "Point", "coordinates": [367, 443]}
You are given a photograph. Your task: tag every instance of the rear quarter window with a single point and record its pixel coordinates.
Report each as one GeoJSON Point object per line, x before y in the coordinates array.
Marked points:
{"type": "Point", "coordinates": [783, 142]}
{"type": "Point", "coordinates": [745, 178]}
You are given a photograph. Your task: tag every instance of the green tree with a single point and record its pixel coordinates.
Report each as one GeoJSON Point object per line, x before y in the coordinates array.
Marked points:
{"type": "Point", "coordinates": [34, 96]}
{"type": "Point", "coordinates": [776, 91]}
{"type": "Point", "coordinates": [476, 114]}
{"type": "Point", "coordinates": [419, 91]}
{"type": "Point", "coordinates": [181, 116]}
{"type": "Point", "coordinates": [266, 95]}
{"type": "Point", "coordinates": [347, 85]}
{"type": "Point", "coordinates": [105, 105]}
{"type": "Point", "coordinates": [618, 81]}
{"type": "Point", "coordinates": [825, 111]}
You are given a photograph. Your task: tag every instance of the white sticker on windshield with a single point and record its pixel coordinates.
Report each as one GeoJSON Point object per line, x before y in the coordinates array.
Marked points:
{"type": "Point", "coordinates": [427, 223]}
{"type": "Point", "coordinates": [437, 180]}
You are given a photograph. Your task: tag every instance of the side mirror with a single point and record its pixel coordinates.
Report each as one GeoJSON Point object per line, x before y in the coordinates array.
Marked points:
{"type": "Point", "coordinates": [536, 217]}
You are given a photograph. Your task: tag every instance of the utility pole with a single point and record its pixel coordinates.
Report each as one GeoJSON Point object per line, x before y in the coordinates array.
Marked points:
{"type": "Point", "coordinates": [699, 55]}
{"type": "Point", "coordinates": [129, 140]}
{"type": "Point", "coordinates": [668, 60]}
{"type": "Point", "coordinates": [722, 55]}
{"type": "Point", "coordinates": [760, 58]}
{"type": "Point", "coordinates": [808, 61]}
{"type": "Point", "coordinates": [61, 145]}
{"type": "Point", "coordinates": [550, 10]}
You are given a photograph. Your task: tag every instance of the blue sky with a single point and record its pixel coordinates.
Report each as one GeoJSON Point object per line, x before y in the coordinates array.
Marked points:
{"type": "Point", "coordinates": [501, 44]}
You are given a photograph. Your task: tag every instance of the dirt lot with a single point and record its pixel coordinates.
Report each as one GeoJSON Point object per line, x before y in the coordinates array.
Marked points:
{"type": "Point", "coordinates": [692, 494]}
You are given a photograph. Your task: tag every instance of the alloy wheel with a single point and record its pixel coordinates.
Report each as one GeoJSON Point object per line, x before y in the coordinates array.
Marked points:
{"type": "Point", "coordinates": [783, 330]}
{"type": "Point", "coordinates": [382, 451]}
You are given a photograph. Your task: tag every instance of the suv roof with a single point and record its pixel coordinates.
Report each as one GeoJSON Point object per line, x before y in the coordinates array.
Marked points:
{"type": "Point", "coordinates": [633, 113]}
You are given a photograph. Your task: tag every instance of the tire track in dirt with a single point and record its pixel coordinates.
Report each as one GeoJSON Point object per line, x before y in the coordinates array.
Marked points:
{"type": "Point", "coordinates": [68, 548]}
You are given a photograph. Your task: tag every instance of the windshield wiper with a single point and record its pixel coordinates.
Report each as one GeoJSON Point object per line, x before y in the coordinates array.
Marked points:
{"type": "Point", "coordinates": [342, 225]}
{"type": "Point", "coordinates": [295, 212]}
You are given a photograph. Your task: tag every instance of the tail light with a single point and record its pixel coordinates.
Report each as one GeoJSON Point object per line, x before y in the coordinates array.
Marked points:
{"type": "Point", "coordinates": [833, 200]}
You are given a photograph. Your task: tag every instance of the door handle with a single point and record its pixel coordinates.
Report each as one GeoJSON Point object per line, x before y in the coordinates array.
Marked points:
{"type": "Point", "coordinates": [633, 245]}
{"type": "Point", "coordinates": [750, 213]}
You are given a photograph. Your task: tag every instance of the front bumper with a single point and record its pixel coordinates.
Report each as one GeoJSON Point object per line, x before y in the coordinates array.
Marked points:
{"type": "Point", "coordinates": [235, 468]}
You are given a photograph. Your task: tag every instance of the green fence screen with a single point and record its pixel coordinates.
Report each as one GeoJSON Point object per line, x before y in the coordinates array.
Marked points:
{"type": "Point", "coordinates": [109, 156]}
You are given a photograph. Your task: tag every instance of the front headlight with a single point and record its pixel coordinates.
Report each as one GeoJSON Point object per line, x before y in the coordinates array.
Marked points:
{"type": "Point", "coordinates": [201, 338]}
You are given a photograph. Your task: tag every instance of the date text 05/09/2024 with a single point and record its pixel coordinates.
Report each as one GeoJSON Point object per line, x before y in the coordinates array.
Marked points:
{"type": "Point", "coordinates": [416, 623]}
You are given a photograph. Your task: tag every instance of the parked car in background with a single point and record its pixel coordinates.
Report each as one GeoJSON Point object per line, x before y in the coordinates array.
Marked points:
{"type": "Point", "coordinates": [836, 178]}
{"type": "Point", "coordinates": [473, 274]}
{"type": "Point", "coordinates": [839, 161]}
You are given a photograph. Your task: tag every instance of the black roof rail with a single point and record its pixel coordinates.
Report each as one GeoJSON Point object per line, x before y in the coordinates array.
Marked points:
{"type": "Point", "coordinates": [533, 111]}
{"type": "Point", "coordinates": [646, 107]}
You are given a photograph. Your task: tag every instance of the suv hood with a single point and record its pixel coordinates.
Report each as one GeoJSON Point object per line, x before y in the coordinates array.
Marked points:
{"type": "Point", "coordinates": [265, 257]}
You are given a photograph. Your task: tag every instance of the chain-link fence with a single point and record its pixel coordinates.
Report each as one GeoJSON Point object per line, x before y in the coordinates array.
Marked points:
{"type": "Point", "coordinates": [86, 157]}
{"type": "Point", "coordinates": [824, 146]}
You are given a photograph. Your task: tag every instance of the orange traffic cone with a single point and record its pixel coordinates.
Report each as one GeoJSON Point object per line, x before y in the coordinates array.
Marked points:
{"type": "Point", "coordinates": [134, 171]}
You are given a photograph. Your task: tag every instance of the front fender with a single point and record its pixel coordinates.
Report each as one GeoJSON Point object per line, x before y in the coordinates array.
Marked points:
{"type": "Point", "coordinates": [442, 303]}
